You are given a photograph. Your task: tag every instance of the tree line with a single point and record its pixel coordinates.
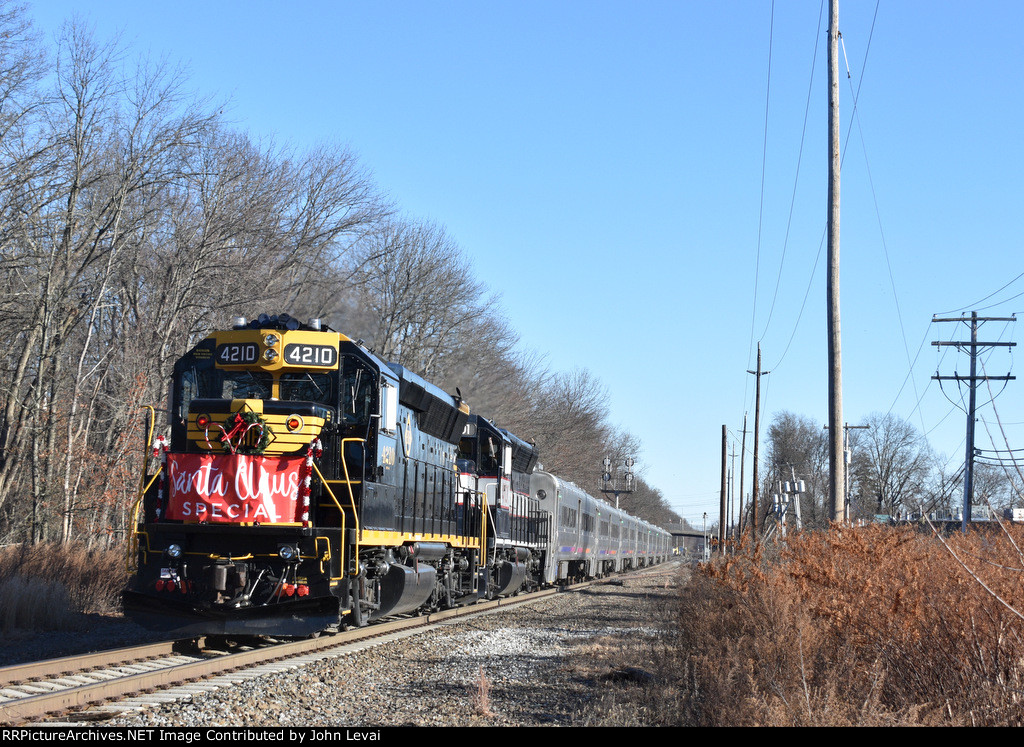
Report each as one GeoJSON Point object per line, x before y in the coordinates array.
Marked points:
{"type": "Point", "coordinates": [134, 219]}
{"type": "Point", "coordinates": [893, 471]}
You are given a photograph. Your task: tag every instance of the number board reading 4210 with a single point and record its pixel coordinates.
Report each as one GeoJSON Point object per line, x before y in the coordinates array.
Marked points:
{"type": "Point", "coordinates": [237, 353]}
{"type": "Point", "coordinates": [310, 355]}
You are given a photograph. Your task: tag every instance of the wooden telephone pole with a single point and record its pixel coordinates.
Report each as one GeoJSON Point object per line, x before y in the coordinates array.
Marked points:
{"type": "Point", "coordinates": [723, 521]}
{"type": "Point", "coordinates": [836, 462]}
{"type": "Point", "coordinates": [757, 425]}
{"type": "Point", "coordinates": [743, 459]}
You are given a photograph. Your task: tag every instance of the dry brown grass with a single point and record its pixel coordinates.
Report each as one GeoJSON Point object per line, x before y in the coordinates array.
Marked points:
{"type": "Point", "coordinates": [868, 626]}
{"type": "Point", "coordinates": [481, 697]}
{"type": "Point", "coordinates": [50, 586]}
{"type": "Point", "coordinates": [876, 626]}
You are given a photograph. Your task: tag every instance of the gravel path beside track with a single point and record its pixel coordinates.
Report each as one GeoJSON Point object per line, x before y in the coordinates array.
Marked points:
{"type": "Point", "coordinates": [543, 664]}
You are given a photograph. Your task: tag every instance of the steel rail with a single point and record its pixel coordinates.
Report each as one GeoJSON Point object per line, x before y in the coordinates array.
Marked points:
{"type": "Point", "coordinates": [34, 670]}
{"type": "Point", "coordinates": [28, 708]}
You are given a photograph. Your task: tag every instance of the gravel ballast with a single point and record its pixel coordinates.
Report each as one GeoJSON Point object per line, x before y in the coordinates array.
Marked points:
{"type": "Point", "coordinates": [546, 663]}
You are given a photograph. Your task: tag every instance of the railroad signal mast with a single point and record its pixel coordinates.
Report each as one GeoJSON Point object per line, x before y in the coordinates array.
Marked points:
{"type": "Point", "coordinates": [612, 483]}
{"type": "Point", "coordinates": [972, 383]}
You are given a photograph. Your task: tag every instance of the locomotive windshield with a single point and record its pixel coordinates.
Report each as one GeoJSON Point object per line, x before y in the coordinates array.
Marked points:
{"type": "Point", "coordinates": [358, 386]}
{"type": "Point", "coordinates": [210, 383]}
{"type": "Point", "coordinates": [205, 382]}
{"type": "Point", "coordinates": [244, 385]}
{"type": "Point", "coordinates": [306, 387]}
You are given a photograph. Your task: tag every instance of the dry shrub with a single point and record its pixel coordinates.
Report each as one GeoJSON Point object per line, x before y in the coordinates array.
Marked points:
{"type": "Point", "coordinates": [71, 577]}
{"type": "Point", "coordinates": [481, 697]}
{"type": "Point", "coordinates": [874, 625]}
{"type": "Point", "coordinates": [35, 604]}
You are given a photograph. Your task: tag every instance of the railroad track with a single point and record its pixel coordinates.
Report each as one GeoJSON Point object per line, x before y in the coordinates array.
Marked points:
{"type": "Point", "coordinates": [57, 687]}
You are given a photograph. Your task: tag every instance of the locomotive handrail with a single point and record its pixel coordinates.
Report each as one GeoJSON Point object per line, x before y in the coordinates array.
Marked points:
{"type": "Point", "coordinates": [348, 482]}
{"type": "Point", "coordinates": [341, 511]}
{"type": "Point", "coordinates": [488, 518]}
{"type": "Point", "coordinates": [326, 556]}
{"type": "Point", "coordinates": [331, 494]}
{"type": "Point", "coordinates": [133, 538]}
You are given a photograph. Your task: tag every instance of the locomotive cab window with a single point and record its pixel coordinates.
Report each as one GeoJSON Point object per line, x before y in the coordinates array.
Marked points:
{"type": "Point", "coordinates": [357, 390]}
{"type": "Point", "coordinates": [187, 390]}
{"type": "Point", "coordinates": [489, 457]}
{"type": "Point", "coordinates": [388, 407]}
{"type": "Point", "coordinates": [466, 458]}
{"type": "Point", "coordinates": [306, 387]}
{"type": "Point", "coordinates": [190, 382]}
{"type": "Point", "coordinates": [246, 385]}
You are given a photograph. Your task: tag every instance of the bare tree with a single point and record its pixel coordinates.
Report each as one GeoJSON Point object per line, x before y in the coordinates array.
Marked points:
{"type": "Point", "coordinates": [133, 221]}
{"type": "Point", "coordinates": [420, 293]}
{"type": "Point", "coordinates": [798, 445]}
{"type": "Point", "coordinates": [891, 465]}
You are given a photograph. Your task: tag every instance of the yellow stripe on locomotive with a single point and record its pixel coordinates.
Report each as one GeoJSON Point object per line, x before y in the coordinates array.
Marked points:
{"type": "Point", "coordinates": [283, 433]}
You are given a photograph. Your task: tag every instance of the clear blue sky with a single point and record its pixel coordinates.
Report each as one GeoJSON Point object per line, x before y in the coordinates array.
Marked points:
{"type": "Point", "coordinates": [602, 164]}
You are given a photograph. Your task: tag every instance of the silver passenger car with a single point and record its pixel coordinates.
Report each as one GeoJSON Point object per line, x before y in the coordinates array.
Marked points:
{"type": "Point", "coordinates": [588, 537]}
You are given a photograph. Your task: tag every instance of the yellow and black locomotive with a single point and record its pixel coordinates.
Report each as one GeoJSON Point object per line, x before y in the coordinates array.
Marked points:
{"type": "Point", "coordinates": [305, 484]}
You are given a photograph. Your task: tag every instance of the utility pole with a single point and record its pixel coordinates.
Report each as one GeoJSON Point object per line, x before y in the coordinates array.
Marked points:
{"type": "Point", "coordinates": [972, 384]}
{"type": "Point", "coordinates": [837, 466]}
{"type": "Point", "coordinates": [732, 488]}
{"type": "Point", "coordinates": [721, 508]}
{"type": "Point", "coordinates": [848, 458]}
{"type": "Point", "coordinates": [757, 426]}
{"type": "Point", "coordinates": [743, 458]}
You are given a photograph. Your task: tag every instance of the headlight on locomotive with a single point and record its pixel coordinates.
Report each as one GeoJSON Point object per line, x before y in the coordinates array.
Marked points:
{"type": "Point", "coordinates": [174, 551]}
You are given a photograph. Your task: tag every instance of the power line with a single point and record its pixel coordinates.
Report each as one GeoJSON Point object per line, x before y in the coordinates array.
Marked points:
{"type": "Point", "coordinates": [978, 303]}
{"type": "Point", "coordinates": [796, 176]}
{"type": "Point", "coordinates": [764, 160]}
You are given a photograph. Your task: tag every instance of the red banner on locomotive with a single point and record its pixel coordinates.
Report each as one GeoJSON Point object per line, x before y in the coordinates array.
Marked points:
{"type": "Point", "coordinates": [234, 488]}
